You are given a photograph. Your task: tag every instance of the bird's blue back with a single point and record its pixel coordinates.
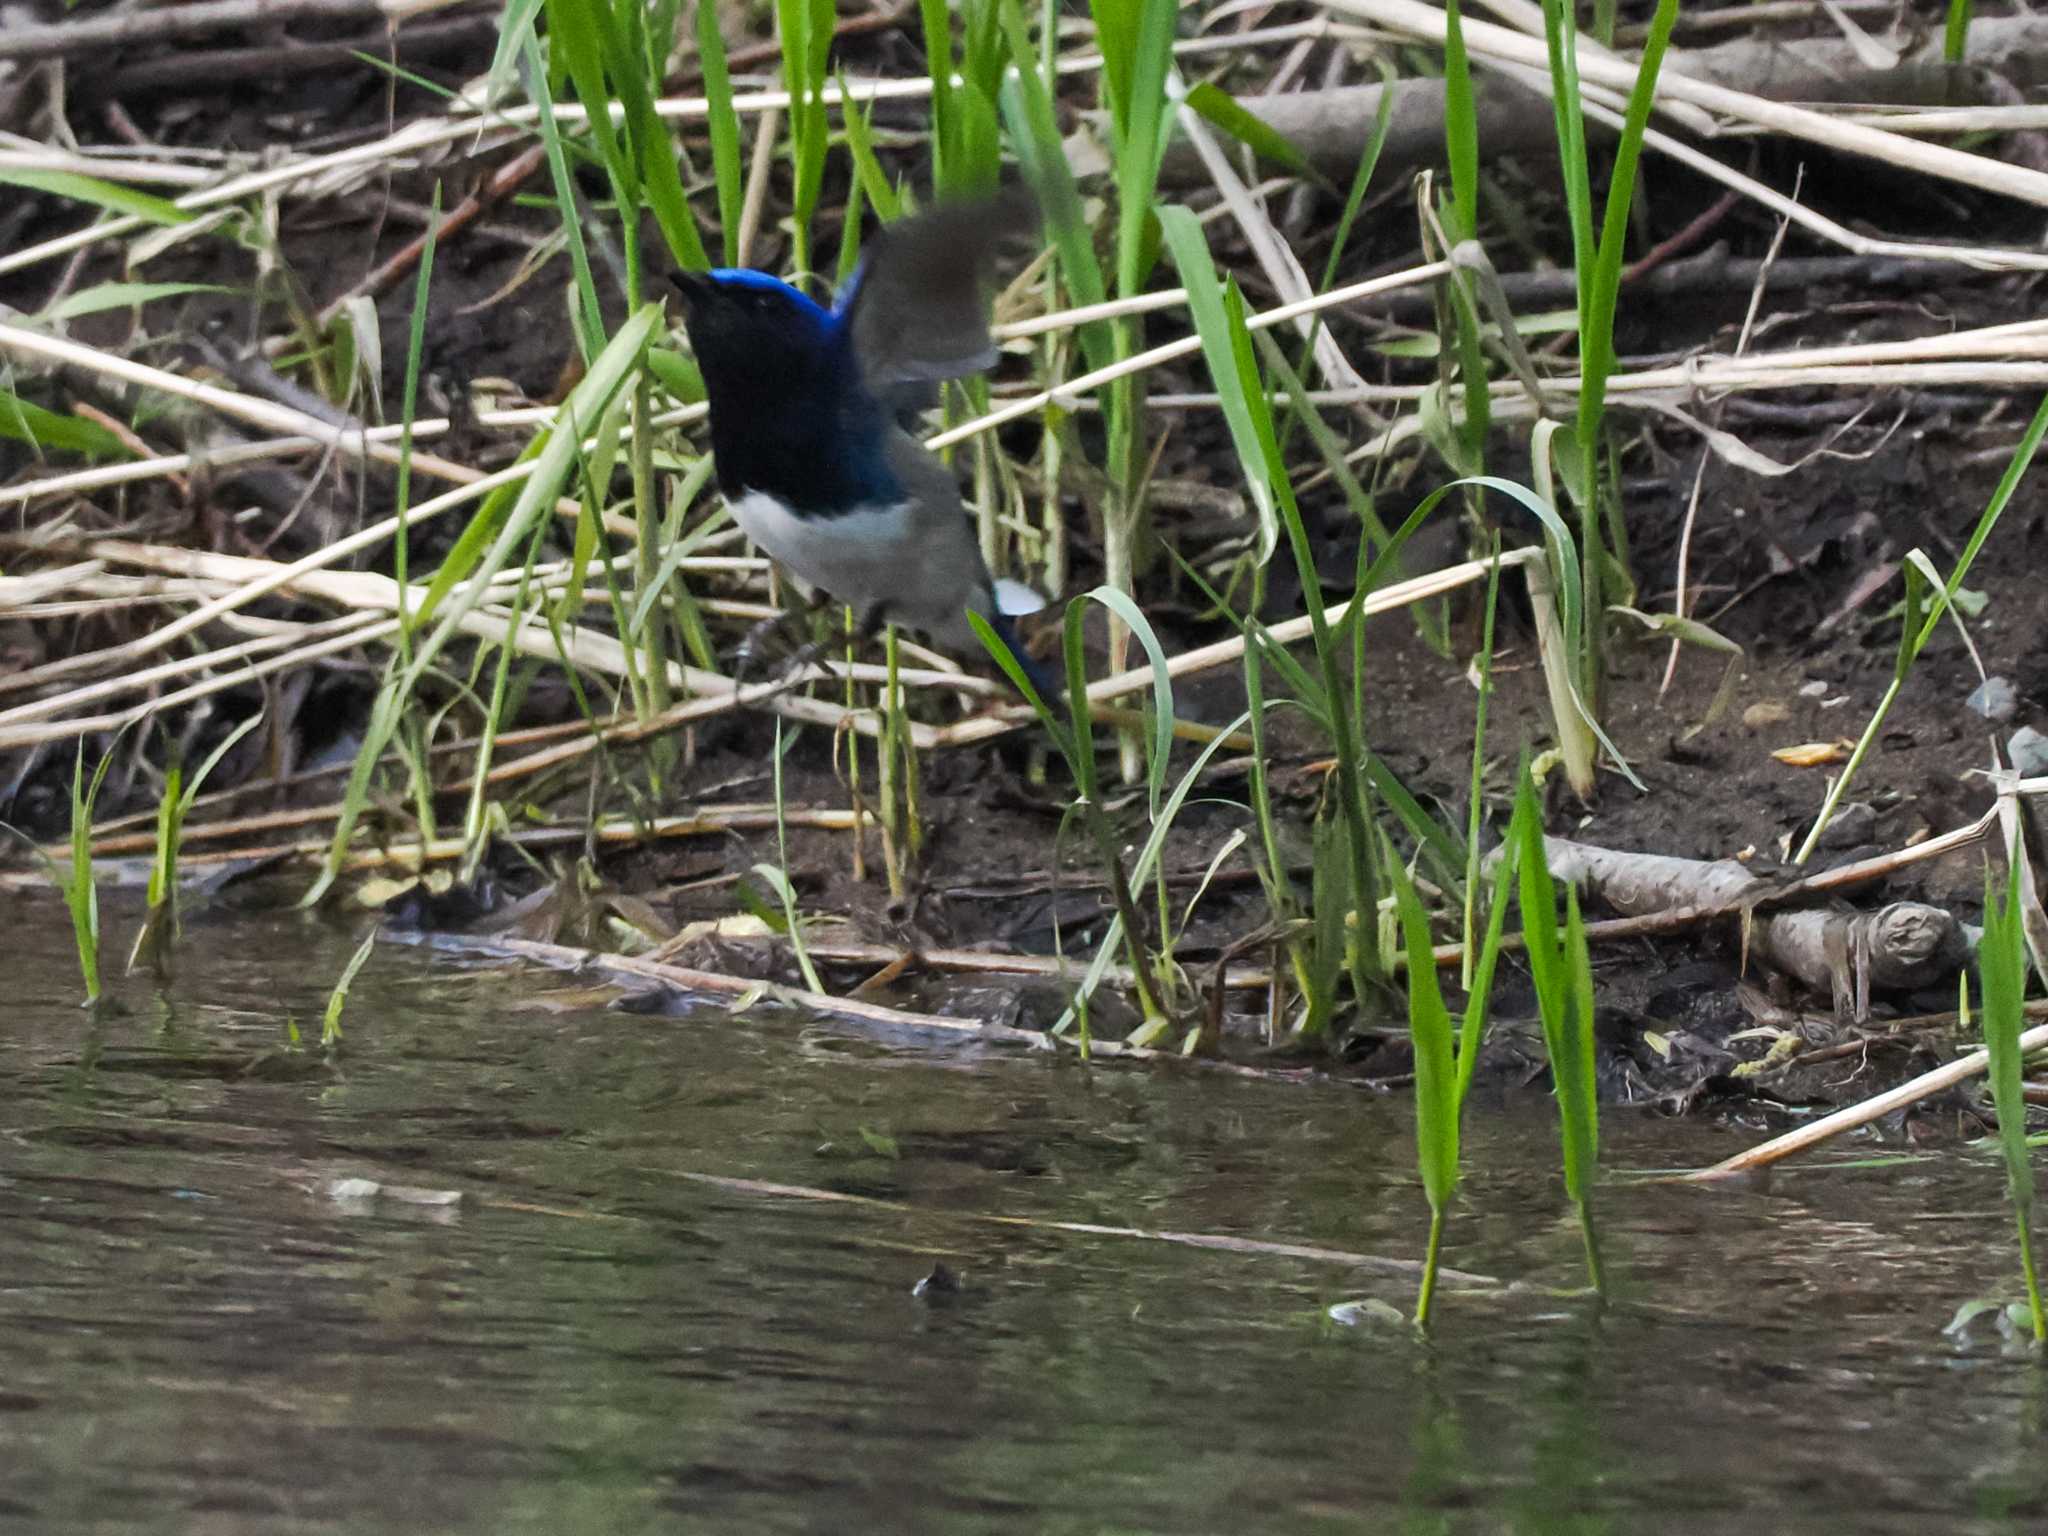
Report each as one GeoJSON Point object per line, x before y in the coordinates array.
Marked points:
{"type": "Point", "coordinates": [816, 442]}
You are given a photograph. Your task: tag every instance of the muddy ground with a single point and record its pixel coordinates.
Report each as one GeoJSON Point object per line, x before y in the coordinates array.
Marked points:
{"type": "Point", "coordinates": [1782, 563]}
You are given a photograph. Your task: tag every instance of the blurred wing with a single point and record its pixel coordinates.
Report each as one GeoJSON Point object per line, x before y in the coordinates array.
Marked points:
{"type": "Point", "coordinates": [916, 307]}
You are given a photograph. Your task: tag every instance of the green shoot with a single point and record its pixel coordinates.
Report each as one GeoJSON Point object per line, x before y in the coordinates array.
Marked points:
{"type": "Point", "coordinates": [330, 1020]}
{"type": "Point", "coordinates": [723, 124]}
{"type": "Point", "coordinates": [805, 30]}
{"type": "Point", "coordinates": [160, 926]}
{"type": "Point", "coordinates": [1443, 1069]}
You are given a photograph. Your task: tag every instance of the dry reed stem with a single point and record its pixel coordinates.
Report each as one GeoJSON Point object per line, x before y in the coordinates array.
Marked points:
{"type": "Point", "coordinates": [268, 415]}
{"type": "Point", "coordinates": [1208, 657]}
{"type": "Point", "coordinates": [1065, 394]}
{"type": "Point", "coordinates": [490, 126]}
{"type": "Point", "coordinates": [1490, 42]}
{"type": "Point", "coordinates": [1211, 1242]}
{"type": "Point", "coordinates": [414, 856]}
{"type": "Point", "coordinates": [1876, 1108]}
{"type": "Point", "coordinates": [585, 649]}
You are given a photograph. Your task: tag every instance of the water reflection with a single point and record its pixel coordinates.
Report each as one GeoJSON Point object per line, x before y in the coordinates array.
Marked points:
{"type": "Point", "coordinates": [200, 1336]}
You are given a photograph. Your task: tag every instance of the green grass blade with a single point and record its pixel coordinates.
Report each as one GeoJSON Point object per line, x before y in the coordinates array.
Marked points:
{"type": "Point", "coordinates": [1955, 38]}
{"type": "Point", "coordinates": [1233, 117]}
{"type": "Point", "coordinates": [26, 422]}
{"type": "Point", "coordinates": [589, 314]}
{"type": "Point", "coordinates": [1436, 1083]}
{"type": "Point", "coordinates": [2002, 965]}
{"type": "Point", "coordinates": [1461, 127]}
{"type": "Point", "coordinates": [1596, 324]}
{"type": "Point", "coordinates": [109, 195]}
{"type": "Point", "coordinates": [101, 297]}
{"type": "Point", "coordinates": [723, 124]}
{"type": "Point", "coordinates": [330, 1020]}
{"type": "Point", "coordinates": [1429, 1028]}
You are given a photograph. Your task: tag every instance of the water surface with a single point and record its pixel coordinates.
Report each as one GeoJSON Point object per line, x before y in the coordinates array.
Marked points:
{"type": "Point", "coordinates": [199, 1336]}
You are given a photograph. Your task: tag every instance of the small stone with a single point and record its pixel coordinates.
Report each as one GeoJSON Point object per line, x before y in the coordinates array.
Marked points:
{"type": "Point", "coordinates": [1995, 699]}
{"type": "Point", "coordinates": [2029, 751]}
{"type": "Point", "coordinates": [1770, 712]}
{"type": "Point", "coordinates": [940, 1282]}
{"type": "Point", "coordinates": [1816, 689]}
{"type": "Point", "coordinates": [1852, 825]}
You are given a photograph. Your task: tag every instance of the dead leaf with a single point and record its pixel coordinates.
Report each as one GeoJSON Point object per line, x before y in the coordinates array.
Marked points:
{"type": "Point", "coordinates": [1815, 754]}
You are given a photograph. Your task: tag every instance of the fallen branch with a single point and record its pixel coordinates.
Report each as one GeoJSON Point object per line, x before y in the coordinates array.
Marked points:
{"type": "Point", "coordinates": [1903, 946]}
{"type": "Point", "coordinates": [683, 980]}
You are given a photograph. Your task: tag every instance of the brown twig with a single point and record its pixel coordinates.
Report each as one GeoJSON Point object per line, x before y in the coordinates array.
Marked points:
{"type": "Point", "coordinates": [508, 178]}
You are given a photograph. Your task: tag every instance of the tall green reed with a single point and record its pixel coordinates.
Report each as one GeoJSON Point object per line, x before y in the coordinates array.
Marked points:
{"type": "Point", "coordinates": [1597, 262]}
{"type": "Point", "coordinates": [1955, 38]}
{"type": "Point", "coordinates": [1445, 1059]}
{"type": "Point", "coordinates": [1135, 38]}
{"type": "Point", "coordinates": [2002, 968]}
{"type": "Point", "coordinates": [1561, 967]}
{"type": "Point", "coordinates": [79, 886]}
{"type": "Point", "coordinates": [804, 29]}
{"type": "Point", "coordinates": [1218, 312]}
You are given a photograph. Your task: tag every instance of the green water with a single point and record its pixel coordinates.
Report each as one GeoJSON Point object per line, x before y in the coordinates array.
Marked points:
{"type": "Point", "coordinates": [195, 1335]}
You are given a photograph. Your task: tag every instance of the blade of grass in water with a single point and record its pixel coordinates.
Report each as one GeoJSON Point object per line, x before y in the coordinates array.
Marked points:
{"type": "Point", "coordinates": [1560, 967]}
{"type": "Point", "coordinates": [1436, 1083]}
{"type": "Point", "coordinates": [330, 1020]}
{"type": "Point", "coordinates": [81, 890]}
{"type": "Point", "coordinates": [2002, 964]}
{"type": "Point", "coordinates": [159, 930]}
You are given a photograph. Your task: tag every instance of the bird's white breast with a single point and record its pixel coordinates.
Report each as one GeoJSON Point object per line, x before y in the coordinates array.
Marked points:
{"type": "Point", "coordinates": [861, 557]}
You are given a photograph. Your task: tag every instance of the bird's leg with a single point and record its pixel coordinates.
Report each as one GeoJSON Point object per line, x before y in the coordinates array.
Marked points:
{"type": "Point", "coordinates": [747, 657]}
{"type": "Point", "coordinates": [865, 629]}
